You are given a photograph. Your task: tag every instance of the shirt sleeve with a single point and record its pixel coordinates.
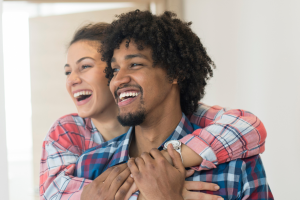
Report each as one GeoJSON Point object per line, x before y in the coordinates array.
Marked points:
{"type": "Point", "coordinates": [226, 135]}
{"type": "Point", "coordinates": [61, 149]}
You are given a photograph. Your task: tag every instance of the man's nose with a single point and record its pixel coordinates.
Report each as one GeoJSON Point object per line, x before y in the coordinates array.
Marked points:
{"type": "Point", "coordinates": [121, 78]}
{"type": "Point", "coordinates": [73, 79]}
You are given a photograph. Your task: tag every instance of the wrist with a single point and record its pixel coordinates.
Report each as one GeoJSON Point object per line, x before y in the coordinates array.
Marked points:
{"type": "Point", "coordinates": [190, 157]}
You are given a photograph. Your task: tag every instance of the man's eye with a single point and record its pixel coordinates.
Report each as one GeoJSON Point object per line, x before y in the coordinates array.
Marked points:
{"type": "Point", "coordinates": [135, 64]}
{"type": "Point", "coordinates": [67, 73]}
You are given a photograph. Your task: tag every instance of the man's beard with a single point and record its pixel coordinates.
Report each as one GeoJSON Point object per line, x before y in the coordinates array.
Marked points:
{"type": "Point", "coordinates": [133, 119]}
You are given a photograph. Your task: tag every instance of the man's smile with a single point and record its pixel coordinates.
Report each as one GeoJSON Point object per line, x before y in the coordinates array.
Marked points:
{"type": "Point", "coordinates": [127, 95]}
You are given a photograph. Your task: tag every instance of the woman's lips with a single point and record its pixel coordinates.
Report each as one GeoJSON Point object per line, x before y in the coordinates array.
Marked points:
{"type": "Point", "coordinates": [127, 101]}
{"type": "Point", "coordinates": [82, 102]}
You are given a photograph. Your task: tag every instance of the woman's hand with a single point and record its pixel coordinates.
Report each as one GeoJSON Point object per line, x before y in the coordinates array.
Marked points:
{"type": "Point", "coordinates": [188, 194]}
{"type": "Point", "coordinates": [114, 183]}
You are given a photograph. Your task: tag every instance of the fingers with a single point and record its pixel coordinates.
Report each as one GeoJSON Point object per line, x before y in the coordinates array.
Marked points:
{"type": "Point", "coordinates": [156, 154]}
{"type": "Point", "coordinates": [133, 167]}
{"type": "Point", "coordinates": [114, 173]}
{"type": "Point", "coordinates": [119, 180]}
{"type": "Point", "coordinates": [125, 191]}
{"type": "Point", "coordinates": [146, 157]}
{"type": "Point", "coordinates": [189, 173]}
{"type": "Point", "coordinates": [103, 176]}
{"type": "Point", "coordinates": [132, 190]}
{"type": "Point", "coordinates": [139, 162]}
{"type": "Point", "coordinates": [176, 158]}
{"type": "Point", "coordinates": [201, 196]}
{"type": "Point", "coordinates": [199, 185]}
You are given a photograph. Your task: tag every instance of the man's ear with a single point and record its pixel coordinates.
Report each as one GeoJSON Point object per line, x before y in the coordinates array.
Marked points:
{"type": "Point", "coordinates": [175, 81]}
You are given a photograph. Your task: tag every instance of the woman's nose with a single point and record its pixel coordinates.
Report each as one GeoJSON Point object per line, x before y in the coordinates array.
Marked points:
{"type": "Point", "coordinates": [73, 79]}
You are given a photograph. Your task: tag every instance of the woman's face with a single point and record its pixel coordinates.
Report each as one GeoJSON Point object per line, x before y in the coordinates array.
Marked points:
{"type": "Point", "coordinates": [86, 82]}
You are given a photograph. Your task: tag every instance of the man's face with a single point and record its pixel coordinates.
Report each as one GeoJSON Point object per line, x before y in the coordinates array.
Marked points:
{"type": "Point", "coordinates": [140, 90]}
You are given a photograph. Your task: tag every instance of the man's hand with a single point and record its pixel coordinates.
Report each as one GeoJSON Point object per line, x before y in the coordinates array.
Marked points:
{"type": "Point", "coordinates": [156, 178]}
{"type": "Point", "coordinates": [113, 184]}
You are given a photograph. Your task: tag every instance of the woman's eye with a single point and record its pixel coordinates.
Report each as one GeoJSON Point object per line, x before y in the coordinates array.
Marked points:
{"type": "Point", "coordinates": [115, 70]}
{"type": "Point", "coordinates": [86, 66]}
{"type": "Point", "coordinates": [67, 73]}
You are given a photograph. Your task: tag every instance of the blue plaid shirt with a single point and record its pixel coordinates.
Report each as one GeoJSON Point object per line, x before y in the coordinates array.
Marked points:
{"type": "Point", "coordinates": [238, 179]}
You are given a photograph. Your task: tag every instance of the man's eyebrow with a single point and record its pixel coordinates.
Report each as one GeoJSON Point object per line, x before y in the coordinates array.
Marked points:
{"type": "Point", "coordinates": [139, 55]}
{"type": "Point", "coordinates": [66, 65]}
{"type": "Point", "coordinates": [127, 57]}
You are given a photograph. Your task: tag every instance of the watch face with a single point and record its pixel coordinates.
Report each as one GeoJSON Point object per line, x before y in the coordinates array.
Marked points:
{"type": "Point", "coordinates": [176, 144]}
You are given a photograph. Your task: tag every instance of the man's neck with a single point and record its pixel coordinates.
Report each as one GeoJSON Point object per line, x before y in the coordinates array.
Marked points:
{"type": "Point", "coordinates": [155, 131]}
{"type": "Point", "coordinates": [108, 124]}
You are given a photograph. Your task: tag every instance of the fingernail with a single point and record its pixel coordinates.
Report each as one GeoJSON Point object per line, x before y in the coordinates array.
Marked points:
{"type": "Point", "coordinates": [217, 187]}
{"type": "Point", "coordinates": [220, 198]}
{"type": "Point", "coordinates": [131, 176]}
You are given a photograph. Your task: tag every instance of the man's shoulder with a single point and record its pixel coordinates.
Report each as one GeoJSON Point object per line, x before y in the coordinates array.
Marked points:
{"type": "Point", "coordinates": [238, 168]}
{"type": "Point", "coordinates": [241, 163]}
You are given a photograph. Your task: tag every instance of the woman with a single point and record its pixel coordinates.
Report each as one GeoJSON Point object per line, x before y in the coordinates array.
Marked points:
{"type": "Point", "coordinates": [96, 123]}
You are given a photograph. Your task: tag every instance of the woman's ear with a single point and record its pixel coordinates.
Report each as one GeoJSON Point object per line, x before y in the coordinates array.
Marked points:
{"type": "Point", "coordinates": [175, 81]}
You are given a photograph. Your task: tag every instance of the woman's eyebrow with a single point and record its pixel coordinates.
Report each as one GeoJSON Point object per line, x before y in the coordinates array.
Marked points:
{"type": "Point", "coordinates": [78, 61]}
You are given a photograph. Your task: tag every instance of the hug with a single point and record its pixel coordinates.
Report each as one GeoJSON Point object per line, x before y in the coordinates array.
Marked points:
{"type": "Point", "coordinates": [141, 131]}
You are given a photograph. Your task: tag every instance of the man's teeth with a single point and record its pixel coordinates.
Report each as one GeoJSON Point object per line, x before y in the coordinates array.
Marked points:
{"type": "Point", "coordinates": [128, 94]}
{"type": "Point", "coordinates": [77, 94]}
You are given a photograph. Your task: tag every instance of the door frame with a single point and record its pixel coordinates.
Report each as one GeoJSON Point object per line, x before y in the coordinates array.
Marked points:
{"type": "Point", "coordinates": [4, 188]}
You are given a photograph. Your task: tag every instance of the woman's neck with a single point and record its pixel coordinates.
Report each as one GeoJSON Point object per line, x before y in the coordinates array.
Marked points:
{"type": "Point", "coordinates": [108, 124]}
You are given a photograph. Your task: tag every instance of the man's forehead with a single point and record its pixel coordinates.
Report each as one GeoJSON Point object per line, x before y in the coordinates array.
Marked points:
{"type": "Point", "coordinates": [129, 50]}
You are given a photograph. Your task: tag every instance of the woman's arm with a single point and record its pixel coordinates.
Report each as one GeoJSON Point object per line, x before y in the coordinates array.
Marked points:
{"type": "Point", "coordinates": [226, 135]}
{"type": "Point", "coordinates": [61, 148]}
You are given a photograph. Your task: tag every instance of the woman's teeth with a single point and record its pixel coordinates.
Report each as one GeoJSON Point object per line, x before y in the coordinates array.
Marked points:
{"type": "Point", "coordinates": [125, 95]}
{"type": "Point", "coordinates": [78, 94]}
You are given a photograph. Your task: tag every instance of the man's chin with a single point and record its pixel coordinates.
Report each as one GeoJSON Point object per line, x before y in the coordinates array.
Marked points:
{"type": "Point", "coordinates": [132, 119]}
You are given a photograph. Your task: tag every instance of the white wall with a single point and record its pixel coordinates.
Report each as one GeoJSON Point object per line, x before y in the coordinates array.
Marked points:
{"type": "Point", "coordinates": [256, 47]}
{"type": "Point", "coordinates": [3, 150]}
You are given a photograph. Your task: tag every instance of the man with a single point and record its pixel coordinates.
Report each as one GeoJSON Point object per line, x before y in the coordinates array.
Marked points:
{"type": "Point", "coordinates": [158, 70]}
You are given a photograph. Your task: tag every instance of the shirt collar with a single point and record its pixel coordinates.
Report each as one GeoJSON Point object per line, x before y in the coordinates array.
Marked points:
{"type": "Point", "coordinates": [183, 128]}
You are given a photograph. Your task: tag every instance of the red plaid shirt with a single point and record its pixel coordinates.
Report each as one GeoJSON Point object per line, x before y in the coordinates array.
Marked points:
{"type": "Point", "coordinates": [227, 135]}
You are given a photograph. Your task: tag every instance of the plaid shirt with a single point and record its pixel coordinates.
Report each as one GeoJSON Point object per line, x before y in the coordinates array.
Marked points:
{"type": "Point", "coordinates": [238, 179]}
{"type": "Point", "coordinates": [227, 135]}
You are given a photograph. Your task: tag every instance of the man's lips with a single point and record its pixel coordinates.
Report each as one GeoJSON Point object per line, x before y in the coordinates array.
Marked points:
{"type": "Point", "coordinates": [126, 90]}
{"type": "Point", "coordinates": [127, 101]}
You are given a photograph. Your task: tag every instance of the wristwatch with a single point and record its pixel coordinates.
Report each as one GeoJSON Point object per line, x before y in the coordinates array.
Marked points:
{"type": "Point", "coordinates": [176, 145]}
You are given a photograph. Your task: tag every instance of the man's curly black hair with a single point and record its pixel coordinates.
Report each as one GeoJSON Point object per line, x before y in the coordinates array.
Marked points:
{"type": "Point", "coordinates": [174, 47]}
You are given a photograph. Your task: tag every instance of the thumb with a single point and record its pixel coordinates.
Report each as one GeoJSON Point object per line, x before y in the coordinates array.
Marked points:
{"type": "Point", "coordinates": [189, 173]}
{"type": "Point", "coordinates": [176, 158]}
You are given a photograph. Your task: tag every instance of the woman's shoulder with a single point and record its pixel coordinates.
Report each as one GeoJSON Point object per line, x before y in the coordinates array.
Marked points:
{"type": "Point", "coordinates": [69, 132]}
{"type": "Point", "coordinates": [70, 124]}
{"type": "Point", "coordinates": [72, 119]}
